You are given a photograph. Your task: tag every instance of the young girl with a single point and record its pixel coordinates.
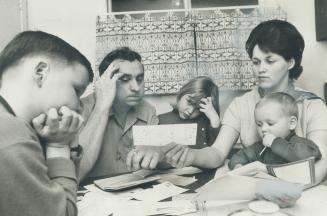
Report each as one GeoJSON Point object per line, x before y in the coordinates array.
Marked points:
{"type": "Point", "coordinates": [197, 102]}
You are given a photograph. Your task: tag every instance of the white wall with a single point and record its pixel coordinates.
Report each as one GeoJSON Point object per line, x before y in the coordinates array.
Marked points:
{"type": "Point", "coordinates": [73, 20]}
{"type": "Point", "coordinates": [9, 11]}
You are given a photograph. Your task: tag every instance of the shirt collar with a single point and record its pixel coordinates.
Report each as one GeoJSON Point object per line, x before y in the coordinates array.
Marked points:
{"type": "Point", "coordinates": [6, 106]}
{"type": "Point", "coordinates": [140, 112]}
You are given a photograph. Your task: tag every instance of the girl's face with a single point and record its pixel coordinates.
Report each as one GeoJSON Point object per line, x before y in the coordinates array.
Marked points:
{"type": "Point", "coordinates": [186, 109]}
{"type": "Point", "coordinates": [271, 69]}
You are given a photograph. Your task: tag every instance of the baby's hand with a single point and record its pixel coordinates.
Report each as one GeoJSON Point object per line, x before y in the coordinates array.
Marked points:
{"type": "Point", "coordinates": [208, 109]}
{"type": "Point", "coordinates": [268, 139]}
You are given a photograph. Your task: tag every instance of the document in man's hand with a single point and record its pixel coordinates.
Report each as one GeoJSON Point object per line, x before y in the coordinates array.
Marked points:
{"type": "Point", "coordinates": [158, 135]}
{"type": "Point", "coordinates": [125, 181]}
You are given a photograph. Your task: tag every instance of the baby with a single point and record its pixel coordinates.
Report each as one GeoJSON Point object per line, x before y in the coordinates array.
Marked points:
{"type": "Point", "coordinates": [276, 116]}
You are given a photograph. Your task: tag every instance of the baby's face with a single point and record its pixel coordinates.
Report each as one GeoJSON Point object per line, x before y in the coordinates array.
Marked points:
{"type": "Point", "coordinates": [270, 118]}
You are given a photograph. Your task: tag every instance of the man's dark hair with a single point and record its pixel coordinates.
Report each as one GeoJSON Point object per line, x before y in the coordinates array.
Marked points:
{"type": "Point", "coordinates": [29, 43]}
{"type": "Point", "coordinates": [123, 53]}
{"type": "Point", "coordinates": [280, 37]}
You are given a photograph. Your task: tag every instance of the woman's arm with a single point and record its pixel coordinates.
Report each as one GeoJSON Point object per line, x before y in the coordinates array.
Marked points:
{"type": "Point", "coordinates": [214, 156]}
{"type": "Point", "coordinates": [320, 138]}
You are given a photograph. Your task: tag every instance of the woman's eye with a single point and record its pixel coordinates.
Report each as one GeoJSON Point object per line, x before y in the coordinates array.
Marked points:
{"type": "Point", "coordinates": [270, 61]}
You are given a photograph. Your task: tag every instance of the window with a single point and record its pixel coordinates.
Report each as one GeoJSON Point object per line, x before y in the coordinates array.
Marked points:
{"type": "Point", "coordinates": [142, 5]}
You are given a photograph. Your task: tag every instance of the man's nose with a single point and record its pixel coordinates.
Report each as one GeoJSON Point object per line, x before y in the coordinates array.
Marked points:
{"type": "Point", "coordinates": [134, 86]}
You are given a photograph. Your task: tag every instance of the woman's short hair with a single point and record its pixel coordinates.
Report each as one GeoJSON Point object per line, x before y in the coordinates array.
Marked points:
{"type": "Point", "coordinates": [280, 37]}
{"type": "Point", "coordinates": [201, 87]}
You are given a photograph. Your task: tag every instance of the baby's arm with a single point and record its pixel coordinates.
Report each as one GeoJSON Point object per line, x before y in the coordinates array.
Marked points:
{"type": "Point", "coordinates": [243, 156]}
{"type": "Point", "coordinates": [297, 148]}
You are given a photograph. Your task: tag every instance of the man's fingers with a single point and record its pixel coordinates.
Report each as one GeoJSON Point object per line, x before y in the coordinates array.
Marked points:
{"type": "Point", "coordinates": [129, 159]}
{"type": "Point", "coordinates": [116, 76]}
{"type": "Point", "coordinates": [137, 158]}
{"type": "Point", "coordinates": [145, 164]}
{"type": "Point", "coordinates": [154, 162]}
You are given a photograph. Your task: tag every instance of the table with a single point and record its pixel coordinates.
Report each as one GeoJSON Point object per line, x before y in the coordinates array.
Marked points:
{"type": "Point", "coordinates": [313, 201]}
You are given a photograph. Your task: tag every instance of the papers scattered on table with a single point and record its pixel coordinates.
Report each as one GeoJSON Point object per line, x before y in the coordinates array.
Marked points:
{"type": "Point", "coordinates": [158, 192]}
{"type": "Point", "coordinates": [177, 180]}
{"type": "Point", "coordinates": [100, 203]}
{"type": "Point", "coordinates": [124, 181]}
{"type": "Point", "coordinates": [181, 171]}
{"type": "Point", "coordinates": [158, 135]}
{"type": "Point", "coordinates": [136, 208]}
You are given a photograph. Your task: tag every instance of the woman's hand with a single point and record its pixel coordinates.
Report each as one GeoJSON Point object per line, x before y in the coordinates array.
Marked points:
{"type": "Point", "coordinates": [208, 109]}
{"type": "Point", "coordinates": [179, 155]}
{"type": "Point", "coordinates": [58, 127]}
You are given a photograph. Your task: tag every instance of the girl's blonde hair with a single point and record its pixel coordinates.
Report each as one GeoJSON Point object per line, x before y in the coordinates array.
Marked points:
{"type": "Point", "coordinates": [201, 87]}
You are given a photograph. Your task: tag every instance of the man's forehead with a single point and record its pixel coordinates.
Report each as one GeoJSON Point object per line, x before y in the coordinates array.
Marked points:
{"type": "Point", "coordinates": [132, 68]}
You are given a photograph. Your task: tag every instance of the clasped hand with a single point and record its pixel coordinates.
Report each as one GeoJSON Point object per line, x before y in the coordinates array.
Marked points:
{"type": "Point", "coordinates": [58, 128]}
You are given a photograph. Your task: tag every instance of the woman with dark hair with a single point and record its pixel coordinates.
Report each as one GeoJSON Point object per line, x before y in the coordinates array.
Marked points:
{"type": "Point", "coordinates": [275, 48]}
{"type": "Point", "coordinates": [197, 102]}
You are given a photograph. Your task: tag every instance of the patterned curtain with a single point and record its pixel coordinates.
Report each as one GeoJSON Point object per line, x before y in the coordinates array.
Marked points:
{"type": "Point", "coordinates": [176, 47]}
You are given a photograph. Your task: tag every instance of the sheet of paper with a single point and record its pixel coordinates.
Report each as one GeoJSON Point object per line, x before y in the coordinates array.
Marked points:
{"type": "Point", "coordinates": [158, 192]}
{"type": "Point", "coordinates": [126, 194]}
{"type": "Point", "coordinates": [228, 187]}
{"type": "Point", "coordinates": [297, 172]}
{"type": "Point", "coordinates": [184, 196]}
{"type": "Point", "coordinates": [177, 180]}
{"type": "Point", "coordinates": [158, 135]}
{"type": "Point", "coordinates": [99, 203]}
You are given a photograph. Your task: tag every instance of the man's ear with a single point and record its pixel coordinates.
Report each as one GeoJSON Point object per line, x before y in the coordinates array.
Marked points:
{"type": "Point", "coordinates": [41, 71]}
{"type": "Point", "coordinates": [293, 122]}
{"type": "Point", "coordinates": [291, 63]}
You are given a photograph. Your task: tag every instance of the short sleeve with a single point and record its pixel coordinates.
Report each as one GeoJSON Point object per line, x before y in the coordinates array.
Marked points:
{"type": "Point", "coordinates": [231, 117]}
{"type": "Point", "coordinates": [315, 114]}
